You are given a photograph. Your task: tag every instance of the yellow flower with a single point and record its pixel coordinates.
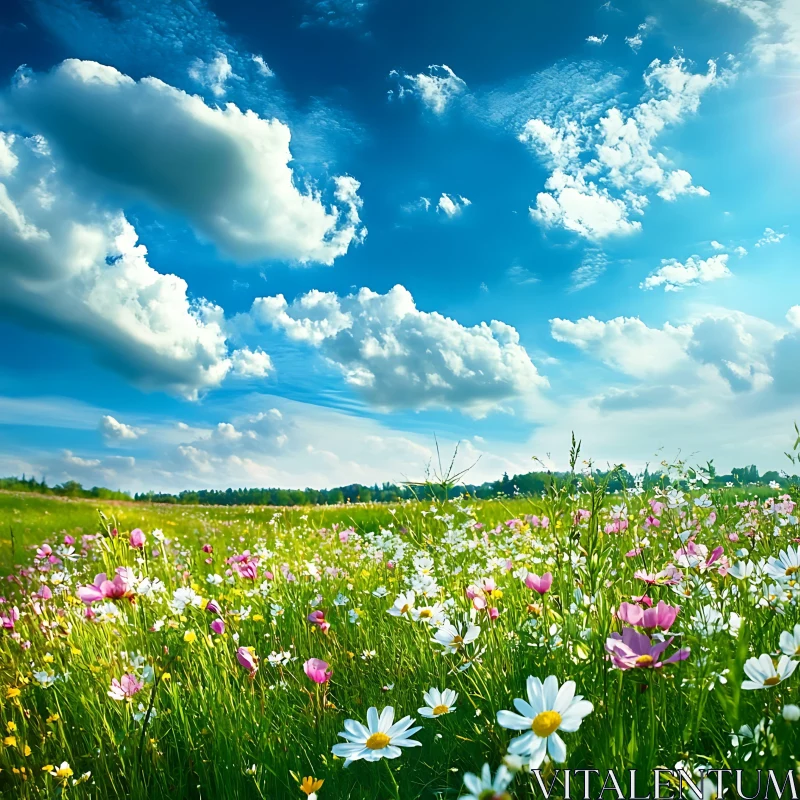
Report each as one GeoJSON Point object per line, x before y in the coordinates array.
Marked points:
{"type": "Point", "coordinates": [62, 773]}
{"type": "Point", "coordinates": [257, 618]}
{"type": "Point", "coordinates": [53, 718]}
{"type": "Point", "coordinates": [11, 726]}
{"type": "Point", "coordinates": [48, 658]}
{"type": "Point", "coordinates": [310, 785]}
{"type": "Point", "coordinates": [12, 692]}
{"type": "Point", "coordinates": [10, 741]}
{"type": "Point", "coordinates": [47, 768]}
{"type": "Point", "coordinates": [189, 637]}
{"type": "Point", "coordinates": [26, 750]}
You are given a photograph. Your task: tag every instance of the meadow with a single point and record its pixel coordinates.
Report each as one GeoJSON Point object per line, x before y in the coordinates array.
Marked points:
{"type": "Point", "coordinates": [204, 652]}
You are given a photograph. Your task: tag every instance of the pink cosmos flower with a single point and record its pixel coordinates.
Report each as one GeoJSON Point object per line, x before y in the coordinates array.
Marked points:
{"type": "Point", "coordinates": [218, 625]}
{"type": "Point", "coordinates": [207, 548]}
{"type": "Point", "coordinates": [318, 618]}
{"type": "Point", "coordinates": [652, 522]}
{"type": "Point", "coordinates": [212, 606]}
{"type": "Point", "coordinates": [104, 589]}
{"type": "Point", "coordinates": [637, 551]}
{"type": "Point", "coordinates": [69, 540]}
{"type": "Point", "coordinates": [125, 688]}
{"type": "Point", "coordinates": [317, 670]}
{"type": "Point", "coordinates": [539, 584]}
{"type": "Point", "coordinates": [43, 552]}
{"type": "Point", "coordinates": [634, 650]}
{"type": "Point", "coordinates": [247, 660]}
{"type": "Point", "coordinates": [657, 507]}
{"type": "Point", "coordinates": [137, 538]}
{"type": "Point", "coordinates": [667, 577]}
{"type": "Point", "coordinates": [643, 600]}
{"type": "Point", "coordinates": [493, 613]}
{"type": "Point", "coordinates": [44, 593]}
{"type": "Point", "coordinates": [661, 616]}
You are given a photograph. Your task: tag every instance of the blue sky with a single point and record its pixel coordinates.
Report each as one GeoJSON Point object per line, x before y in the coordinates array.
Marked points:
{"type": "Point", "coordinates": [243, 245]}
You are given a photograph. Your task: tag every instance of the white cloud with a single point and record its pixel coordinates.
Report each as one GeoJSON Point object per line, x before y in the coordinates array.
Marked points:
{"type": "Point", "coordinates": [66, 263]}
{"type": "Point", "coordinates": [263, 67]}
{"type": "Point", "coordinates": [452, 206]}
{"type": "Point", "coordinates": [626, 343]}
{"type": "Point", "coordinates": [213, 75]}
{"type": "Point", "coordinates": [793, 316]}
{"type": "Point", "coordinates": [226, 170]}
{"type": "Point", "coordinates": [436, 89]}
{"type": "Point", "coordinates": [248, 363]}
{"type": "Point", "coordinates": [597, 39]}
{"type": "Point", "coordinates": [592, 266]}
{"type": "Point", "coordinates": [769, 237]}
{"type": "Point", "coordinates": [115, 431]}
{"type": "Point", "coordinates": [605, 163]}
{"type": "Point", "coordinates": [396, 356]}
{"type": "Point", "coordinates": [740, 251]}
{"type": "Point", "coordinates": [521, 276]}
{"type": "Point", "coordinates": [636, 41]}
{"type": "Point", "coordinates": [715, 245]}
{"type": "Point", "coordinates": [777, 24]}
{"type": "Point", "coordinates": [674, 276]}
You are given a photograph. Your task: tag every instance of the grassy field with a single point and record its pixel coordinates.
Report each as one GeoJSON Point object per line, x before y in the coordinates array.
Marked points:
{"type": "Point", "coordinates": [189, 671]}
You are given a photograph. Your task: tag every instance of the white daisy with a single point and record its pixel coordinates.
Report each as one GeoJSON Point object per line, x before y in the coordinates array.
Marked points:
{"type": "Point", "coordinates": [403, 604]}
{"type": "Point", "coordinates": [547, 710]}
{"type": "Point", "coordinates": [454, 638]}
{"type": "Point", "coordinates": [785, 565]}
{"type": "Point", "coordinates": [380, 738]}
{"type": "Point", "coordinates": [790, 642]}
{"type": "Point", "coordinates": [763, 672]}
{"type": "Point", "coordinates": [439, 703]}
{"type": "Point", "coordinates": [434, 615]}
{"type": "Point", "coordinates": [483, 785]}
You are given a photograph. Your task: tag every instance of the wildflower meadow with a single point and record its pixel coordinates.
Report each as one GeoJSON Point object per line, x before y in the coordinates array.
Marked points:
{"type": "Point", "coordinates": [439, 648]}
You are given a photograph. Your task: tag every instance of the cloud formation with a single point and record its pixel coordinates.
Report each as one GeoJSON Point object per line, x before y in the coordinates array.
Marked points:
{"type": "Point", "coordinates": [115, 431]}
{"type": "Point", "coordinates": [435, 89]}
{"type": "Point", "coordinates": [396, 356]}
{"type": "Point", "coordinates": [674, 276]}
{"type": "Point", "coordinates": [227, 171]}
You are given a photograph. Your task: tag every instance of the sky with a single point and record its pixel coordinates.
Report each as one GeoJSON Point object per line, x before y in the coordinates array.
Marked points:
{"type": "Point", "coordinates": [298, 244]}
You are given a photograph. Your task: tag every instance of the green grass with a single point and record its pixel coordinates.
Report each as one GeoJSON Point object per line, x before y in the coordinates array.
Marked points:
{"type": "Point", "coordinates": [213, 723]}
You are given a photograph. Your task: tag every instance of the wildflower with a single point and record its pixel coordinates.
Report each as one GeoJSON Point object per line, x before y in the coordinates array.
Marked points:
{"type": "Point", "coordinates": [104, 589]}
{"type": "Point", "coordinates": [786, 565]}
{"type": "Point", "coordinates": [453, 638]}
{"type": "Point", "coordinates": [183, 597]}
{"type": "Point", "coordinates": [380, 738]}
{"type": "Point", "coordinates": [791, 712]}
{"type": "Point", "coordinates": [438, 703]}
{"type": "Point", "coordinates": [12, 692]}
{"type": "Point", "coordinates": [10, 619]}
{"type": "Point", "coordinates": [317, 670]}
{"type": "Point", "coordinates": [432, 615]}
{"type": "Point", "coordinates": [484, 787]}
{"type": "Point", "coordinates": [403, 604]}
{"type": "Point", "coordinates": [125, 688]}
{"type": "Point", "coordinates": [218, 625]}
{"type": "Point", "coordinates": [541, 585]}
{"type": "Point", "coordinates": [62, 773]}
{"type": "Point", "coordinates": [547, 710]}
{"type": "Point", "coordinates": [318, 618]}
{"type": "Point", "coordinates": [763, 673]}
{"type": "Point", "coordinates": [212, 606]}
{"type": "Point", "coordinates": [247, 659]}
{"type": "Point", "coordinates": [189, 637]}
{"type": "Point", "coordinates": [310, 786]}
{"type": "Point", "coordinates": [661, 616]}
{"type": "Point", "coordinates": [137, 538]}
{"type": "Point", "coordinates": [790, 642]}
{"type": "Point", "coordinates": [631, 650]}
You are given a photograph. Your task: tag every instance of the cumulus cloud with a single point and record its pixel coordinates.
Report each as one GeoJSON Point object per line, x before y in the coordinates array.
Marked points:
{"type": "Point", "coordinates": [213, 75]}
{"type": "Point", "coordinates": [263, 67]}
{"type": "Point", "coordinates": [636, 41]}
{"type": "Point", "coordinates": [605, 163]}
{"type": "Point", "coordinates": [597, 39]}
{"type": "Point", "coordinates": [226, 170]}
{"type": "Point", "coordinates": [115, 431]}
{"type": "Point", "coordinates": [769, 237]}
{"type": "Point", "coordinates": [436, 89]}
{"type": "Point", "coordinates": [452, 206]}
{"type": "Point", "coordinates": [69, 264]}
{"type": "Point", "coordinates": [396, 356]}
{"type": "Point", "coordinates": [674, 276]}
{"type": "Point", "coordinates": [248, 363]}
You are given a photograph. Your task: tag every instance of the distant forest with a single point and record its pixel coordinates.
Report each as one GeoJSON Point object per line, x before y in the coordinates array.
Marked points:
{"type": "Point", "coordinates": [527, 484]}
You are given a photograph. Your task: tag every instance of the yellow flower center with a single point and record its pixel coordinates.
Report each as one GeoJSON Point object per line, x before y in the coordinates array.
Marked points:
{"type": "Point", "coordinates": [774, 680]}
{"type": "Point", "coordinates": [440, 709]}
{"type": "Point", "coordinates": [426, 613]}
{"type": "Point", "coordinates": [457, 641]}
{"type": "Point", "coordinates": [404, 609]}
{"type": "Point", "coordinates": [546, 723]}
{"type": "Point", "coordinates": [791, 570]}
{"type": "Point", "coordinates": [644, 661]}
{"type": "Point", "coordinates": [377, 741]}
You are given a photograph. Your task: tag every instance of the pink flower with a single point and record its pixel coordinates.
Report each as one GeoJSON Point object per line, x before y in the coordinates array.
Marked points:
{"type": "Point", "coordinates": [634, 650]}
{"type": "Point", "coordinates": [344, 536]}
{"type": "Point", "coordinates": [8, 620]}
{"type": "Point", "coordinates": [212, 606]}
{"type": "Point", "coordinates": [657, 507]}
{"type": "Point", "coordinates": [541, 585]}
{"type": "Point", "coordinates": [317, 670]}
{"type": "Point", "coordinates": [652, 522]}
{"type": "Point", "coordinates": [248, 570]}
{"type": "Point", "coordinates": [643, 600]}
{"type": "Point", "coordinates": [207, 548]}
{"type": "Point", "coordinates": [247, 660]}
{"type": "Point", "coordinates": [661, 616]}
{"type": "Point", "coordinates": [125, 688]}
{"type": "Point", "coordinates": [493, 613]}
{"type": "Point", "coordinates": [43, 552]}
{"type": "Point", "coordinates": [318, 618]}
{"type": "Point", "coordinates": [44, 593]}
{"type": "Point", "coordinates": [667, 577]}
{"type": "Point", "coordinates": [104, 589]}
{"type": "Point", "coordinates": [69, 540]}
{"type": "Point", "coordinates": [218, 626]}
{"type": "Point", "coordinates": [633, 553]}
{"type": "Point", "coordinates": [137, 538]}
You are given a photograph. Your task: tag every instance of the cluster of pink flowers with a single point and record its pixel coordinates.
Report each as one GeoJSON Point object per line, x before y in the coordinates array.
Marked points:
{"type": "Point", "coordinates": [125, 688]}
{"type": "Point", "coordinates": [105, 589]}
{"type": "Point", "coordinates": [540, 585]}
{"type": "Point", "coordinates": [318, 618]}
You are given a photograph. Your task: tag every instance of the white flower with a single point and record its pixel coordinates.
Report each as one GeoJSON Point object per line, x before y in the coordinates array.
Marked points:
{"type": "Point", "coordinates": [704, 501]}
{"type": "Point", "coordinates": [787, 563]}
{"type": "Point", "coordinates": [139, 715]}
{"type": "Point", "coordinates": [763, 673]}
{"type": "Point", "coordinates": [44, 679]}
{"type": "Point", "coordinates": [707, 621]}
{"type": "Point", "coordinates": [454, 638]}
{"type": "Point", "coordinates": [439, 703]}
{"type": "Point", "coordinates": [403, 604]}
{"type": "Point", "coordinates": [433, 615]}
{"type": "Point", "coordinates": [381, 591]}
{"type": "Point", "coordinates": [547, 710]}
{"type": "Point", "coordinates": [742, 569]}
{"type": "Point", "coordinates": [791, 712]}
{"type": "Point", "coordinates": [354, 616]}
{"type": "Point", "coordinates": [185, 596]}
{"type": "Point", "coordinates": [790, 642]}
{"type": "Point", "coordinates": [483, 785]}
{"type": "Point", "coordinates": [381, 738]}
{"type": "Point", "coordinates": [340, 600]}
{"type": "Point", "coordinates": [214, 580]}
